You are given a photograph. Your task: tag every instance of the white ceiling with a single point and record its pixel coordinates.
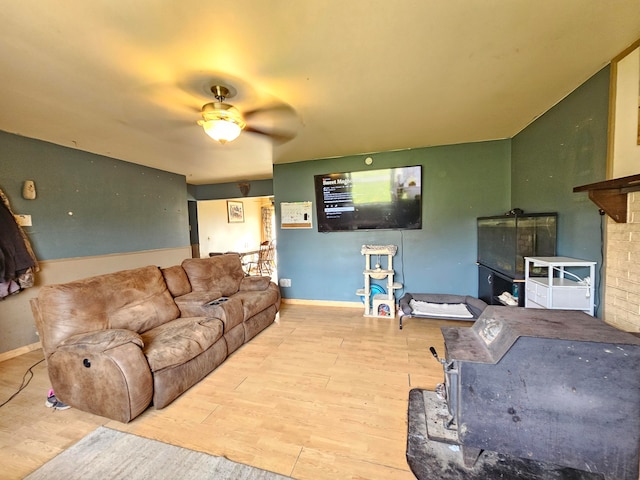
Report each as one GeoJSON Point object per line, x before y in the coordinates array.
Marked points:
{"type": "Point", "coordinates": [126, 78]}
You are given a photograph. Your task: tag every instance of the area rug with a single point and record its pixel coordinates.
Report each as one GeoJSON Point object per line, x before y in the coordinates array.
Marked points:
{"type": "Point", "coordinates": [110, 454]}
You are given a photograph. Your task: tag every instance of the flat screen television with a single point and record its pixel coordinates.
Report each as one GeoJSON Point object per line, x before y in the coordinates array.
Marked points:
{"type": "Point", "coordinates": [389, 198]}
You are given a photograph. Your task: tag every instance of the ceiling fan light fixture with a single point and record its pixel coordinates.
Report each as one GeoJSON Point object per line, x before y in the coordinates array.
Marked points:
{"type": "Point", "coordinates": [221, 121]}
{"type": "Point", "coordinates": [221, 131]}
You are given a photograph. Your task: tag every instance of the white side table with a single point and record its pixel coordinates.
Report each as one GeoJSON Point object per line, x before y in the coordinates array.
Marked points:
{"type": "Point", "coordinates": [560, 288]}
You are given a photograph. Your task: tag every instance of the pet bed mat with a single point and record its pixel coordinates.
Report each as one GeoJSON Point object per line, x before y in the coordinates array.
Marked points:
{"type": "Point", "coordinates": [428, 309]}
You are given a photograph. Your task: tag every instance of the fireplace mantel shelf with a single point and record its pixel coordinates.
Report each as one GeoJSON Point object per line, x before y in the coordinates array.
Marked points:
{"type": "Point", "coordinates": [611, 195]}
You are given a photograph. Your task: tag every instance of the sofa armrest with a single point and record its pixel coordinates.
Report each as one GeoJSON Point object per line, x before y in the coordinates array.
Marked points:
{"type": "Point", "coordinates": [102, 340]}
{"type": "Point", "coordinates": [193, 304]}
{"type": "Point", "coordinates": [103, 372]}
{"type": "Point", "coordinates": [256, 283]}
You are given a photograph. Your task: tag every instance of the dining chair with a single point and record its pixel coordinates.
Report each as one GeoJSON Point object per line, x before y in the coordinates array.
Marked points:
{"type": "Point", "coordinates": [264, 264]}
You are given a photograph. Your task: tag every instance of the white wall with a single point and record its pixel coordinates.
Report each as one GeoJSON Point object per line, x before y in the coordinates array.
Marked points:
{"type": "Point", "coordinates": [216, 234]}
{"type": "Point", "coordinates": [626, 151]}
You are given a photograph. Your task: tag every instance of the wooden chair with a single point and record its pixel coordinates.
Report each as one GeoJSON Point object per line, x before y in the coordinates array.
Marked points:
{"type": "Point", "coordinates": [265, 261]}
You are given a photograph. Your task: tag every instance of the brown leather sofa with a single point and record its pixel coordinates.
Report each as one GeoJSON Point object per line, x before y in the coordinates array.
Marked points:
{"type": "Point", "coordinates": [118, 342]}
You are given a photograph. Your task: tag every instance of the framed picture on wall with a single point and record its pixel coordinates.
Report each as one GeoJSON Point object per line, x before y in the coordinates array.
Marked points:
{"type": "Point", "coordinates": [235, 212]}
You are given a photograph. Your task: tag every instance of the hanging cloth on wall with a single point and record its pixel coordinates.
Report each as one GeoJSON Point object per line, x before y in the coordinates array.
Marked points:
{"type": "Point", "coordinates": [18, 263]}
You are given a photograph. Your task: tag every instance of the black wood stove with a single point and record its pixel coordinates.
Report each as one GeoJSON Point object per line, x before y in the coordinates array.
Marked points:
{"type": "Point", "coordinates": [553, 386]}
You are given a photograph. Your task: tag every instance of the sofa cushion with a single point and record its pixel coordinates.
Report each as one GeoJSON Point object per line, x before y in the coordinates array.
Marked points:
{"type": "Point", "coordinates": [180, 340]}
{"type": "Point", "coordinates": [254, 283]}
{"type": "Point", "coordinates": [176, 279]}
{"type": "Point", "coordinates": [254, 302]}
{"type": "Point", "coordinates": [222, 273]}
{"type": "Point", "coordinates": [101, 340]}
{"type": "Point", "coordinates": [136, 300]}
{"type": "Point", "coordinates": [259, 322]}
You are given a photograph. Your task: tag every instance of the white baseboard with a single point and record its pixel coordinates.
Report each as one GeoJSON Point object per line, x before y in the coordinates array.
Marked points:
{"type": "Point", "coordinates": [322, 303]}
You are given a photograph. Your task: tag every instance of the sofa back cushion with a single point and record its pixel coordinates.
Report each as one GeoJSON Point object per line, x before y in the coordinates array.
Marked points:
{"type": "Point", "coordinates": [177, 281]}
{"type": "Point", "coordinates": [221, 273]}
{"type": "Point", "coordinates": [136, 300]}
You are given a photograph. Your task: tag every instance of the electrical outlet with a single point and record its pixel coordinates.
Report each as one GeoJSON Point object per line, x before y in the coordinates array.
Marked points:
{"type": "Point", "coordinates": [285, 282]}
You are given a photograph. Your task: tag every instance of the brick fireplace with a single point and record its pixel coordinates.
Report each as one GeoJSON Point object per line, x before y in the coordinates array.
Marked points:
{"type": "Point", "coordinates": [622, 275]}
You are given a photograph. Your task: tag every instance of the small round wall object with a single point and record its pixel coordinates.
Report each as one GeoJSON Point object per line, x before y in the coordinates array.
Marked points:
{"type": "Point", "coordinates": [29, 190]}
{"type": "Point", "coordinates": [86, 363]}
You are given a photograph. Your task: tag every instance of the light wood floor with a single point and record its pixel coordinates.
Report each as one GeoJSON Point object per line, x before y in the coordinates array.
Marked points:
{"type": "Point", "coordinates": [321, 394]}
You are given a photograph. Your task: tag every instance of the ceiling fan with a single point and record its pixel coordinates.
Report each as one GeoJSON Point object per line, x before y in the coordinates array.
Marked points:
{"type": "Point", "coordinates": [224, 122]}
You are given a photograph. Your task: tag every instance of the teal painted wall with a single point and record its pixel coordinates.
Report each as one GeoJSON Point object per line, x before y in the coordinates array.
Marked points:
{"type": "Point", "coordinates": [460, 183]}
{"type": "Point", "coordinates": [121, 207]}
{"type": "Point", "coordinates": [564, 148]}
{"type": "Point", "coordinates": [88, 204]}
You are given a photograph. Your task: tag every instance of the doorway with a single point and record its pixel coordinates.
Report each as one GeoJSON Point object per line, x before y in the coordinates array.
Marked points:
{"type": "Point", "coordinates": [217, 233]}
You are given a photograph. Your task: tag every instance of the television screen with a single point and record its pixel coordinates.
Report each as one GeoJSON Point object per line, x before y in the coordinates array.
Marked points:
{"type": "Point", "coordinates": [389, 198]}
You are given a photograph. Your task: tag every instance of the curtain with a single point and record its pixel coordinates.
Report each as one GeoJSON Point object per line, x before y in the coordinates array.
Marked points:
{"type": "Point", "coordinates": [267, 223]}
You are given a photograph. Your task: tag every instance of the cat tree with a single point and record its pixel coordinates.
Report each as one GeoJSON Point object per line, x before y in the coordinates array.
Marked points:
{"type": "Point", "coordinates": [379, 304]}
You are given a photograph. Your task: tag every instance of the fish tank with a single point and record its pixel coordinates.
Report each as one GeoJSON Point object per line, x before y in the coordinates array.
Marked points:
{"type": "Point", "coordinates": [504, 241]}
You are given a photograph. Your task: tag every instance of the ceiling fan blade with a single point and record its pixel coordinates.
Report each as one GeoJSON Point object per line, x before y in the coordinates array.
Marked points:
{"type": "Point", "coordinates": [278, 136]}
{"type": "Point", "coordinates": [158, 108]}
{"type": "Point", "coordinates": [277, 120]}
{"type": "Point", "coordinates": [274, 108]}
